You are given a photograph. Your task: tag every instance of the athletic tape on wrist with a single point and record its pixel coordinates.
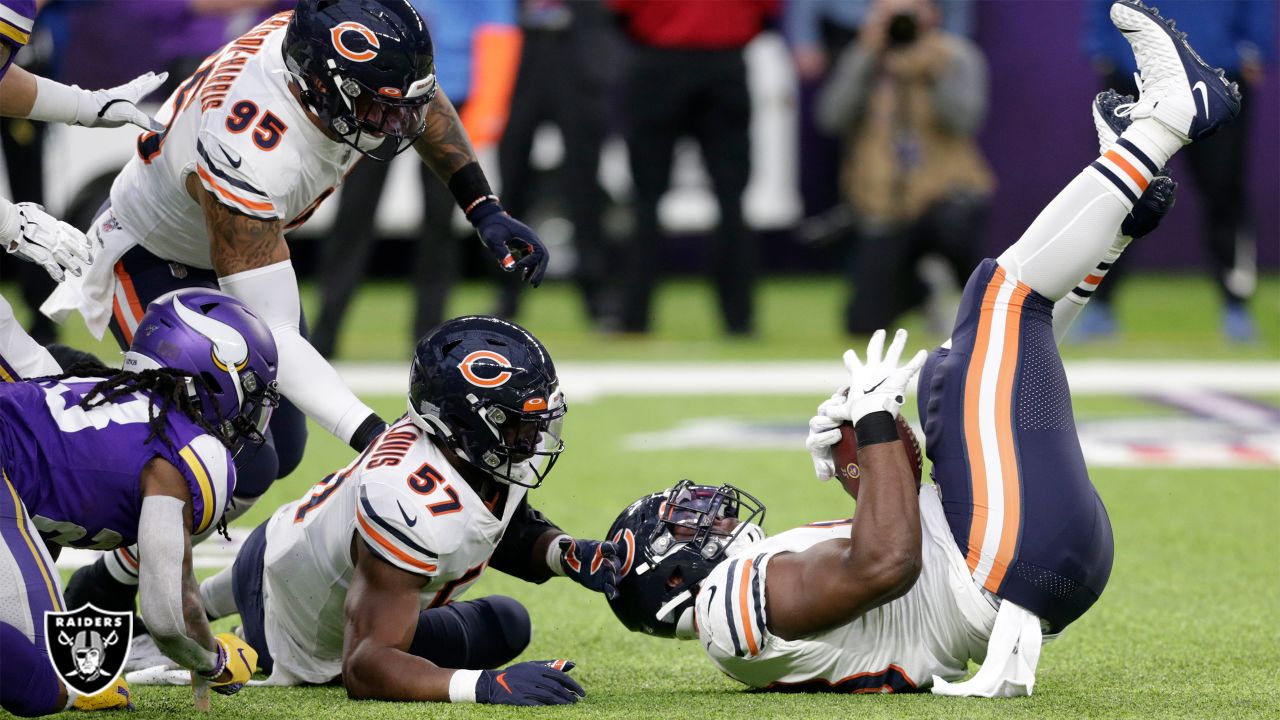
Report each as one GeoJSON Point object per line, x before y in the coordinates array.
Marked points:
{"type": "Point", "coordinates": [462, 686]}
{"type": "Point", "coordinates": [554, 554]}
{"type": "Point", "coordinates": [470, 187]}
{"type": "Point", "coordinates": [875, 428]}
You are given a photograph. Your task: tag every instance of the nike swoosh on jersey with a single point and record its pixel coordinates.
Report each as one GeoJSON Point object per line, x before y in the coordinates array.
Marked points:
{"type": "Point", "coordinates": [405, 515]}
{"type": "Point", "coordinates": [711, 593]}
{"type": "Point", "coordinates": [235, 163]}
{"type": "Point", "coordinates": [1204, 96]}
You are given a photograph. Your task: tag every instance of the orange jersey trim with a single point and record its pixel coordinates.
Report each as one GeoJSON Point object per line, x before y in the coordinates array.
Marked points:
{"type": "Point", "coordinates": [386, 545]}
{"type": "Point", "coordinates": [744, 585]}
{"type": "Point", "coordinates": [251, 204]}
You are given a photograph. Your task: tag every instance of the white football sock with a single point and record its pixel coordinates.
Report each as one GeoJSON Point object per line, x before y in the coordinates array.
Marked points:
{"type": "Point", "coordinates": [1063, 244]}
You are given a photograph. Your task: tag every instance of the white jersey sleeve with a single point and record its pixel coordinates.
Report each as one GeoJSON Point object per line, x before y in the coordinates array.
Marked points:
{"type": "Point", "coordinates": [387, 519]}
{"type": "Point", "coordinates": [731, 609]}
{"type": "Point", "coordinates": [231, 172]}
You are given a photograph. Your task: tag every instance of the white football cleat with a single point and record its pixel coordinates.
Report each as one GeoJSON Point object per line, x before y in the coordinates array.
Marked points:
{"type": "Point", "coordinates": [144, 653]}
{"type": "Point", "coordinates": [1175, 86]}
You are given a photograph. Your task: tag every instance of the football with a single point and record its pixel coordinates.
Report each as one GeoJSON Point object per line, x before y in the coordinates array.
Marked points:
{"type": "Point", "coordinates": [845, 454]}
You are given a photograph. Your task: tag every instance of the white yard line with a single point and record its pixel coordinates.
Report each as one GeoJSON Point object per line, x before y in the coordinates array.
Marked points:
{"type": "Point", "coordinates": [586, 381]}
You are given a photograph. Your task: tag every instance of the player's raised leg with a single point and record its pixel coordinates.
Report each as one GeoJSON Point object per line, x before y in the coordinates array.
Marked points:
{"type": "Point", "coordinates": [1181, 99]}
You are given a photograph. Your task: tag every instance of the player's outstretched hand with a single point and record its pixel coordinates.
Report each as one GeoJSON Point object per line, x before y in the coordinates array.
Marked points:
{"type": "Point", "coordinates": [237, 662]}
{"type": "Point", "coordinates": [593, 564]}
{"type": "Point", "coordinates": [879, 383]}
{"type": "Point", "coordinates": [33, 234]}
{"type": "Point", "coordinates": [1156, 202]}
{"type": "Point", "coordinates": [515, 245]}
{"type": "Point", "coordinates": [116, 106]}
{"type": "Point", "coordinates": [537, 682]}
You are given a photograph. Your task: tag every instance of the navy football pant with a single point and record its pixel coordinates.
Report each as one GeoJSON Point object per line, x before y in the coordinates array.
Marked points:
{"type": "Point", "coordinates": [29, 587]}
{"type": "Point", "coordinates": [1002, 439]}
{"type": "Point", "coordinates": [142, 277]}
{"type": "Point", "coordinates": [470, 635]}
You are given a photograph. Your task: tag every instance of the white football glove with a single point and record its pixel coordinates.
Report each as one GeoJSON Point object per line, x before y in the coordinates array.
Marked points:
{"type": "Point", "coordinates": [824, 432]}
{"type": "Point", "coordinates": [33, 234]}
{"type": "Point", "coordinates": [108, 108]}
{"type": "Point", "coordinates": [879, 384]}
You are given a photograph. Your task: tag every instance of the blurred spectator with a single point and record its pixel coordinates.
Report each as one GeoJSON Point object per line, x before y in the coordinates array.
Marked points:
{"type": "Point", "coordinates": [477, 48]}
{"type": "Point", "coordinates": [687, 76]}
{"type": "Point", "coordinates": [1239, 36]}
{"type": "Point", "coordinates": [908, 98]}
{"type": "Point", "coordinates": [818, 31]}
{"type": "Point", "coordinates": [566, 63]}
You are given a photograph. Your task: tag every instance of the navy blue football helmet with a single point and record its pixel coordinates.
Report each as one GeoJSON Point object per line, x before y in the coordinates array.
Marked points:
{"type": "Point", "coordinates": [673, 540]}
{"type": "Point", "coordinates": [366, 68]}
{"type": "Point", "coordinates": [487, 390]}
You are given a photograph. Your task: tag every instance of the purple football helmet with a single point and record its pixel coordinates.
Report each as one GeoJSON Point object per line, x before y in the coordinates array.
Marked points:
{"type": "Point", "coordinates": [219, 339]}
{"type": "Point", "coordinates": [16, 19]}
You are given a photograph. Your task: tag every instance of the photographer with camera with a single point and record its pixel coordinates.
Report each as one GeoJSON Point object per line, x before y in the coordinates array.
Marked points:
{"type": "Point", "coordinates": [908, 98]}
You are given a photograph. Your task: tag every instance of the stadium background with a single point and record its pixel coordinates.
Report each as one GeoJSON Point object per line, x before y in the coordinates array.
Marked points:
{"type": "Point", "coordinates": [1182, 430]}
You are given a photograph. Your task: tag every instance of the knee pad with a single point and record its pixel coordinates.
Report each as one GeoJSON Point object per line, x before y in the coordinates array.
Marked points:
{"type": "Point", "coordinates": [513, 621]}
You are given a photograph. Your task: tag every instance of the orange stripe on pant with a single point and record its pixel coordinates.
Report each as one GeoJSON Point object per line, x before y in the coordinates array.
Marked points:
{"type": "Point", "coordinates": [972, 431]}
{"type": "Point", "coordinates": [135, 306]}
{"type": "Point", "coordinates": [744, 608]}
{"type": "Point", "coordinates": [1006, 451]}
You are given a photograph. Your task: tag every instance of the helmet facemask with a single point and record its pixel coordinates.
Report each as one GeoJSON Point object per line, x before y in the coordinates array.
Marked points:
{"type": "Point", "coordinates": [527, 443]}
{"type": "Point", "coordinates": [380, 123]}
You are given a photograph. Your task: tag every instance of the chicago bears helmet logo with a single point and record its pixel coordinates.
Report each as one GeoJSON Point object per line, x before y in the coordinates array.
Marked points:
{"type": "Point", "coordinates": [486, 369]}
{"type": "Point", "coordinates": [358, 51]}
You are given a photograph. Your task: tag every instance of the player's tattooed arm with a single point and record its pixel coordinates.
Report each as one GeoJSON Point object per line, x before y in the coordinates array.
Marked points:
{"type": "Point", "coordinates": [444, 146]}
{"type": "Point", "coordinates": [238, 242]}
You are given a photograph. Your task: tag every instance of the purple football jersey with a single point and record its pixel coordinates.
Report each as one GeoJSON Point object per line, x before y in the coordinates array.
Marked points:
{"type": "Point", "coordinates": [78, 471]}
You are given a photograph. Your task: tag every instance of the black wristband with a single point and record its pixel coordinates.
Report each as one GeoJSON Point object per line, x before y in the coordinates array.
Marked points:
{"type": "Point", "coordinates": [468, 186]}
{"type": "Point", "coordinates": [875, 428]}
{"type": "Point", "coordinates": [368, 431]}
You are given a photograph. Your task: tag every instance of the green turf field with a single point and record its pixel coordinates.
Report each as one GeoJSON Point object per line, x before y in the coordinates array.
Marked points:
{"type": "Point", "coordinates": [1189, 625]}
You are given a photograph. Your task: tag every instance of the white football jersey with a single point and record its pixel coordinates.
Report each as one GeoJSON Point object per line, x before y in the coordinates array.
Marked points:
{"type": "Point", "coordinates": [409, 505]}
{"type": "Point", "coordinates": [235, 124]}
{"type": "Point", "coordinates": [935, 629]}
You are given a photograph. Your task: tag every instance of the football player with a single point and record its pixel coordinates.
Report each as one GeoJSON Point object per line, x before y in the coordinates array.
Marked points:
{"type": "Point", "coordinates": [253, 142]}
{"type": "Point", "coordinates": [360, 579]}
{"type": "Point", "coordinates": [26, 230]}
{"type": "Point", "coordinates": [1011, 543]}
{"type": "Point", "coordinates": [97, 458]}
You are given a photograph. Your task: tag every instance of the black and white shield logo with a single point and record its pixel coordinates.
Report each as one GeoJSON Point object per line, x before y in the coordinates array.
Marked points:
{"type": "Point", "coordinates": [88, 646]}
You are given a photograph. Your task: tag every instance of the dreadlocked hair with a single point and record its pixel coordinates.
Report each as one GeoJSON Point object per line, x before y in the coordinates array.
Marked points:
{"type": "Point", "coordinates": [165, 388]}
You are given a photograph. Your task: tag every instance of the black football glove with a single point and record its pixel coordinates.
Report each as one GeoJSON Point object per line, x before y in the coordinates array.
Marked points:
{"type": "Point", "coordinates": [593, 564]}
{"type": "Point", "coordinates": [513, 243]}
{"type": "Point", "coordinates": [1156, 202]}
{"type": "Point", "coordinates": [537, 682]}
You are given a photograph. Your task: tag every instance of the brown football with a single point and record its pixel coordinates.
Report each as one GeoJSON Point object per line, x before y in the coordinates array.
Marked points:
{"type": "Point", "coordinates": [845, 454]}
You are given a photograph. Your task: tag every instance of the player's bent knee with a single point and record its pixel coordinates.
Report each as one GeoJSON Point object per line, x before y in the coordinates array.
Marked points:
{"type": "Point", "coordinates": [514, 621]}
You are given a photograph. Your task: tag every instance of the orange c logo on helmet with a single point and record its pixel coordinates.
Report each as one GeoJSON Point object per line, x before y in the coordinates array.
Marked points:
{"type": "Point", "coordinates": [489, 362]}
{"type": "Point", "coordinates": [365, 55]}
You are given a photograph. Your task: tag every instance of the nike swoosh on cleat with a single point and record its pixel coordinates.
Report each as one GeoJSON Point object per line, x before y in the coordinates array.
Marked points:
{"type": "Point", "coordinates": [405, 515]}
{"type": "Point", "coordinates": [1204, 96]}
